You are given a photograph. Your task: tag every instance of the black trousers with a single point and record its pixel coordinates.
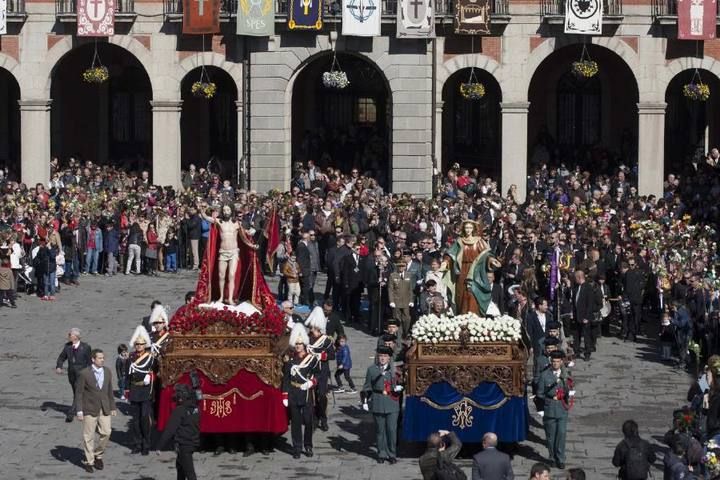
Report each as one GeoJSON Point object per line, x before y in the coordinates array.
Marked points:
{"type": "Point", "coordinates": [184, 463]}
{"type": "Point", "coordinates": [634, 326]}
{"type": "Point", "coordinates": [72, 376]}
{"type": "Point", "coordinates": [584, 331]}
{"type": "Point", "coordinates": [348, 379]}
{"type": "Point", "coordinates": [351, 303]}
{"type": "Point", "coordinates": [321, 392]}
{"type": "Point", "coordinates": [301, 416]}
{"type": "Point", "coordinates": [141, 426]}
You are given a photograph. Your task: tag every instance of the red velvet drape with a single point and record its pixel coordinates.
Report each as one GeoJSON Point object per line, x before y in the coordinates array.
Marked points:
{"type": "Point", "coordinates": [243, 404]}
{"type": "Point", "coordinates": [250, 284]}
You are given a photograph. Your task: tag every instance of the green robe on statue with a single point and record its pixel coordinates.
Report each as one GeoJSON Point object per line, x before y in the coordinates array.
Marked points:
{"type": "Point", "coordinates": [467, 278]}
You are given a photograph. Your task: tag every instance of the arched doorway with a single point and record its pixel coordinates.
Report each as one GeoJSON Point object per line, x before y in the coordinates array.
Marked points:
{"type": "Point", "coordinates": [208, 126]}
{"type": "Point", "coordinates": [347, 128]}
{"type": "Point", "coordinates": [108, 122]}
{"type": "Point", "coordinates": [9, 125]}
{"type": "Point", "coordinates": [471, 134]}
{"type": "Point", "coordinates": [690, 126]}
{"type": "Point", "coordinates": [591, 122]}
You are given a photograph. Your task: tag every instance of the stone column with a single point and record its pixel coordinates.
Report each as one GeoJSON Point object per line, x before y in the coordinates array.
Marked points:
{"type": "Point", "coordinates": [439, 105]}
{"type": "Point", "coordinates": [651, 147]}
{"type": "Point", "coordinates": [514, 147]}
{"type": "Point", "coordinates": [166, 142]}
{"type": "Point", "coordinates": [35, 141]}
{"type": "Point", "coordinates": [242, 161]}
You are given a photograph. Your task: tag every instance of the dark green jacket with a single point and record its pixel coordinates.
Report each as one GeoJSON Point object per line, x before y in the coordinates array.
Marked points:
{"type": "Point", "coordinates": [547, 387]}
{"type": "Point", "coordinates": [374, 390]}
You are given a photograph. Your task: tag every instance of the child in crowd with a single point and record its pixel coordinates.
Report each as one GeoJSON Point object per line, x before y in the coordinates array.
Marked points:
{"type": "Point", "coordinates": [291, 271]}
{"type": "Point", "coordinates": [171, 249]}
{"type": "Point", "coordinates": [121, 369]}
{"type": "Point", "coordinates": [667, 337]}
{"type": "Point", "coordinates": [344, 364]}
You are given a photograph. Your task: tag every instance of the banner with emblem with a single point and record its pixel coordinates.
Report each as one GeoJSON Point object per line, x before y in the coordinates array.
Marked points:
{"type": "Point", "coordinates": [256, 18]}
{"type": "Point", "coordinates": [472, 17]}
{"type": "Point", "coordinates": [696, 19]}
{"type": "Point", "coordinates": [583, 17]}
{"type": "Point", "coordinates": [201, 16]}
{"type": "Point", "coordinates": [95, 18]}
{"type": "Point", "coordinates": [416, 19]}
{"type": "Point", "coordinates": [305, 15]}
{"type": "Point", "coordinates": [361, 18]}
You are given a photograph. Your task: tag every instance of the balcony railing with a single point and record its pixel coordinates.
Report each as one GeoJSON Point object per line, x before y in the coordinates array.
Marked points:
{"type": "Point", "coordinates": [125, 9]}
{"type": "Point", "coordinates": [444, 8]}
{"type": "Point", "coordinates": [556, 8]}
{"type": "Point", "coordinates": [668, 8]}
{"type": "Point", "coordinates": [174, 8]}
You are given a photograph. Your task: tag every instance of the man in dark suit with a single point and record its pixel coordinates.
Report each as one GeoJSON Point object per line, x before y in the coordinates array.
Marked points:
{"type": "Point", "coordinates": [491, 464]}
{"type": "Point", "coordinates": [536, 323]}
{"type": "Point", "coordinates": [95, 404]}
{"type": "Point", "coordinates": [305, 270]}
{"type": "Point", "coordinates": [584, 302]}
{"type": "Point", "coordinates": [77, 354]}
{"type": "Point", "coordinates": [633, 284]}
{"type": "Point", "coordinates": [351, 281]}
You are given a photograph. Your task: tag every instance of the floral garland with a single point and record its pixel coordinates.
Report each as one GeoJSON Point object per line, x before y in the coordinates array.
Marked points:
{"type": "Point", "coordinates": [472, 90]}
{"type": "Point", "coordinates": [711, 459]}
{"type": "Point", "coordinates": [563, 394]}
{"type": "Point", "coordinates": [433, 329]}
{"type": "Point", "coordinates": [335, 79]}
{"type": "Point", "coordinates": [193, 319]}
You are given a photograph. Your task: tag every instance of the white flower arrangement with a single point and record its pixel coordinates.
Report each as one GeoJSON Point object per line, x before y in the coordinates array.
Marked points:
{"type": "Point", "coordinates": [434, 329]}
{"type": "Point", "coordinates": [335, 79]}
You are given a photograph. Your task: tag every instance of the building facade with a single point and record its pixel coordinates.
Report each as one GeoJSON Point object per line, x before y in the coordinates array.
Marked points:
{"type": "Point", "coordinates": [402, 108]}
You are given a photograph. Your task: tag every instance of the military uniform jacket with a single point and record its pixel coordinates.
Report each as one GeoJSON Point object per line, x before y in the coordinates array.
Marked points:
{"type": "Point", "coordinates": [138, 367]}
{"type": "Point", "coordinates": [547, 389]}
{"type": "Point", "coordinates": [323, 348]}
{"type": "Point", "coordinates": [400, 289]}
{"type": "Point", "coordinates": [296, 372]}
{"type": "Point", "coordinates": [379, 388]}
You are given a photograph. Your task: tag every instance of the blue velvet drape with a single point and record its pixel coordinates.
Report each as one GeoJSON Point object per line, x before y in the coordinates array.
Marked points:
{"type": "Point", "coordinates": [509, 421]}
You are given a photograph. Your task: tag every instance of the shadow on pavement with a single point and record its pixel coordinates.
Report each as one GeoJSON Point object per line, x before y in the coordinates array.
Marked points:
{"type": "Point", "coordinates": [72, 455]}
{"type": "Point", "coordinates": [58, 407]}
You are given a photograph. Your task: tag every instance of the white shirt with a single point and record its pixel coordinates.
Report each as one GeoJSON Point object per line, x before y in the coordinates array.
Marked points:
{"type": "Point", "coordinates": [16, 253]}
{"type": "Point", "coordinates": [541, 318]}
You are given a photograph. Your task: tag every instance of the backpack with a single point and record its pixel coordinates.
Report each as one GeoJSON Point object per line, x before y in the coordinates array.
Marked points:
{"type": "Point", "coordinates": [636, 465]}
{"type": "Point", "coordinates": [447, 470]}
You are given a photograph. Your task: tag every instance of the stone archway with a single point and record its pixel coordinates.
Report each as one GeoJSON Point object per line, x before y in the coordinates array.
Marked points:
{"type": "Point", "coordinates": [583, 121]}
{"type": "Point", "coordinates": [471, 133]}
{"type": "Point", "coordinates": [209, 127]}
{"type": "Point", "coordinates": [691, 127]}
{"type": "Point", "coordinates": [10, 125]}
{"type": "Point", "coordinates": [343, 128]}
{"type": "Point", "coordinates": [110, 122]}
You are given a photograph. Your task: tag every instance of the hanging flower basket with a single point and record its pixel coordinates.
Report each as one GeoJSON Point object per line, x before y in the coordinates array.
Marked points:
{"type": "Point", "coordinates": [472, 89]}
{"type": "Point", "coordinates": [586, 67]}
{"type": "Point", "coordinates": [96, 74]}
{"type": "Point", "coordinates": [335, 78]}
{"type": "Point", "coordinates": [204, 90]}
{"type": "Point", "coordinates": [696, 90]}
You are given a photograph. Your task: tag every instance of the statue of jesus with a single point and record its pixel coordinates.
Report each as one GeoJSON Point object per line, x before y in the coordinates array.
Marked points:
{"type": "Point", "coordinates": [229, 251]}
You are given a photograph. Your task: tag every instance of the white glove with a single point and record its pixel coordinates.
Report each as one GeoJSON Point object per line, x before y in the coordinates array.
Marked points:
{"type": "Point", "coordinates": [411, 304]}
{"type": "Point", "coordinates": [306, 386]}
{"type": "Point", "coordinates": [398, 388]}
{"type": "Point", "coordinates": [365, 407]}
{"type": "Point", "coordinates": [571, 393]}
{"type": "Point", "coordinates": [146, 379]}
{"type": "Point", "coordinates": [285, 402]}
{"type": "Point", "coordinates": [392, 304]}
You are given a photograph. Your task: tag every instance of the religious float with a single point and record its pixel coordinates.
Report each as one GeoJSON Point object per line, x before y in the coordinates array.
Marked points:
{"type": "Point", "coordinates": [467, 371]}
{"type": "Point", "coordinates": [232, 351]}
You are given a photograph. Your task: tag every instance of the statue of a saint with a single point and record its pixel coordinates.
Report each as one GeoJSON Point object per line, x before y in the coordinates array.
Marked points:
{"type": "Point", "coordinates": [467, 263]}
{"type": "Point", "coordinates": [228, 256]}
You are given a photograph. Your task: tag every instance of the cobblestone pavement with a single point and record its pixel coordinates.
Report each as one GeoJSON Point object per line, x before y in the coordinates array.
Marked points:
{"type": "Point", "coordinates": [622, 381]}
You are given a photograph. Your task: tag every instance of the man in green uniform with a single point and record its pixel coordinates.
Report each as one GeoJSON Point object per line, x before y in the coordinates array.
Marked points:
{"type": "Point", "coordinates": [382, 388]}
{"type": "Point", "coordinates": [555, 387]}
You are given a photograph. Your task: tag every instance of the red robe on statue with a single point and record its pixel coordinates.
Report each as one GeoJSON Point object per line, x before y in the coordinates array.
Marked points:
{"type": "Point", "coordinates": [250, 284]}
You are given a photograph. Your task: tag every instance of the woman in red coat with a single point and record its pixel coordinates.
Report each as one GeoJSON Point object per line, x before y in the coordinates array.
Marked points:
{"type": "Point", "coordinates": [151, 252]}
